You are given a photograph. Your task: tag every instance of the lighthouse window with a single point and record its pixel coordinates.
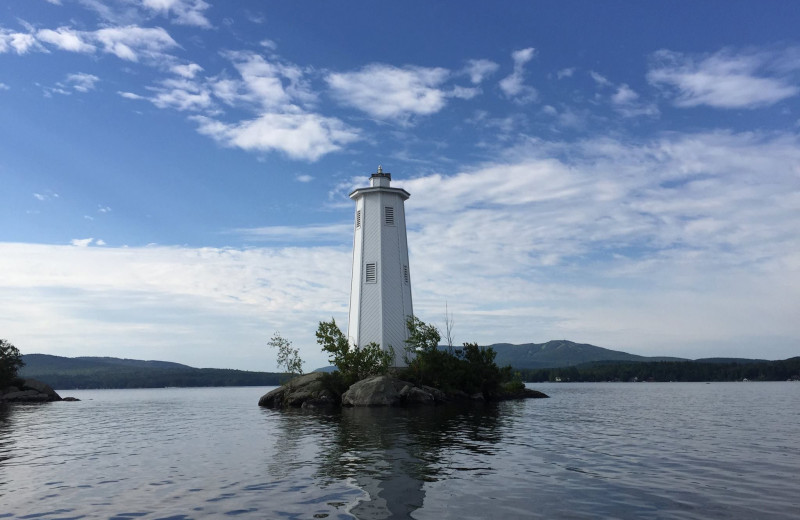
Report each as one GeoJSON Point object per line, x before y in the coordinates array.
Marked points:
{"type": "Point", "coordinates": [371, 273]}
{"type": "Point", "coordinates": [405, 273]}
{"type": "Point", "coordinates": [389, 216]}
{"type": "Point", "coordinates": [358, 219]}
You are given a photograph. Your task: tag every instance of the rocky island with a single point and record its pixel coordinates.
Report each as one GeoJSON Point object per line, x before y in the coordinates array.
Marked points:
{"type": "Point", "coordinates": [314, 391]}
{"type": "Point", "coordinates": [30, 391]}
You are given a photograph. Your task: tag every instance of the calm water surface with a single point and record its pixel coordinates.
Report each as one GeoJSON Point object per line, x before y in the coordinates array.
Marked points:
{"type": "Point", "coordinates": [727, 450]}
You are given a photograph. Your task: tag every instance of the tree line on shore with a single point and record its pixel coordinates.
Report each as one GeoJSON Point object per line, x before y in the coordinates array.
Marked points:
{"type": "Point", "coordinates": [469, 367]}
{"type": "Point", "coordinates": [669, 371]}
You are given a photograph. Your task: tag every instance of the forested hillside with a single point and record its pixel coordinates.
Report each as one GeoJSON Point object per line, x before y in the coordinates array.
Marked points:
{"type": "Point", "coordinates": [101, 372]}
{"type": "Point", "coordinates": [666, 371]}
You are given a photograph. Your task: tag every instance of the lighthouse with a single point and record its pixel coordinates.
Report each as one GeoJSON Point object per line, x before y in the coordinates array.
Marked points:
{"type": "Point", "coordinates": [380, 290]}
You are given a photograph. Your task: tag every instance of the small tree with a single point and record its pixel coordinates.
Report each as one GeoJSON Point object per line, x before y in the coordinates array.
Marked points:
{"type": "Point", "coordinates": [288, 357]}
{"type": "Point", "coordinates": [448, 328]}
{"type": "Point", "coordinates": [10, 362]}
{"type": "Point", "coordinates": [427, 364]}
{"type": "Point", "coordinates": [470, 369]}
{"type": "Point", "coordinates": [353, 362]}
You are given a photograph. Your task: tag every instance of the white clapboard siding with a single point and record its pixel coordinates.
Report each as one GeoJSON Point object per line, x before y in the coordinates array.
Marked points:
{"type": "Point", "coordinates": [380, 289]}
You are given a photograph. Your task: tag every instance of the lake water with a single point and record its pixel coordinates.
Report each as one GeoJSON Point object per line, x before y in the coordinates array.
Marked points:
{"type": "Point", "coordinates": [705, 451]}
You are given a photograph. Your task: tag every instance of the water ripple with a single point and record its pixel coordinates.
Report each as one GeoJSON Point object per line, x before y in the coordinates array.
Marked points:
{"type": "Point", "coordinates": [620, 451]}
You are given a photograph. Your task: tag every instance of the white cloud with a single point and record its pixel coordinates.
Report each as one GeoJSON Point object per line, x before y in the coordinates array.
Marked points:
{"type": "Point", "coordinates": [478, 70]}
{"type": "Point", "coordinates": [299, 234]}
{"type": "Point", "coordinates": [388, 92]}
{"type": "Point", "coordinates": [45, 196]}
{"type": "Point", "coordinates": [181, 94]}
{"type": "Point", "coordinates": [81, 242]}
{"type": "Point", "coordinates": [268, 84]}
{"type": "Point", "coordinates": [659, 247]}
{"type": "Point", "coordinates": [188, 70]}
{"type": "Point", "coordinates": [20, 43]}
{"type": "Point", "coordinates": [3, 86]}
{"type": "Point", "coordinates": [132, 42]}
{"type": "Point", "coordinates": [624, 95]}
{"type": "Point", "coordinates": [148, 302]}
{"type": "Point", "coordinates": [726, 79]}
{"type": "Point", "coordinates": [66, 39]}
{"type": "Point", "coordinates": [682, 216]}
{"type": "Point", "coordinates": [305, 178]}
{"type": "Point", "coordinates": [183, 12]}
{"type": "Point", "coordinates": [130, 95]}
{"type": "Point", "coordinates": [626, 102]}
{"type": "Point", "coordinates": [81, 81]}
{"type": "Point", "coordinates": [298, 135]}
{"type": "Point", "coordinates": [513, 85]}
{"type": "Point", "coordinates": [565, 73]}
{"type": "Point", "coordinates": [180, 12]}
{"type": "Point", "coordinates": [599, 79]}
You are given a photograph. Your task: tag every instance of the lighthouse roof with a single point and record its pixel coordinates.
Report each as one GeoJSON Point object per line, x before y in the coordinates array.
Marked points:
{"type": "Point", "coordinates": [380, 182]}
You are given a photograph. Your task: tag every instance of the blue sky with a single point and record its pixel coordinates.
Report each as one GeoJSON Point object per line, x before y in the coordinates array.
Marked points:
{"type": "Point", "coordinates": [175, 172]}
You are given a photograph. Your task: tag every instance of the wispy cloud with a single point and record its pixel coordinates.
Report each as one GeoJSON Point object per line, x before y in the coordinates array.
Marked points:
{"type": "Point", "coordinates": [627, 103]}
{"type": "Point", "coordinates": [725, 79]}
{"type": "Point", "coordinates": [565, 73]}
{"type": "Point", "coordinates": [478, 70]}
{"type": "Point", "coordinates": [130, 43]}
{"type": "Point", "coordinates": [181, 12]}
{"type": "Point", "coordinates": [620, 243]}
{"type": "Point", "coordinates": [17, 42]}
{"type": "Point", "coordinates": [300, 136]}
{"type": "Point", "coordinates": [513, 85]}
{"type": "Point", "coordinates": [338, 233]}
{"type": "Point", "coordinates": [389, 92]}
{"type": "Point", "coordinates": [188, 70]}
{"type": "Point", "coordinates": [81, 81]}
{"type": "Point", "coordinates": [81, 242]}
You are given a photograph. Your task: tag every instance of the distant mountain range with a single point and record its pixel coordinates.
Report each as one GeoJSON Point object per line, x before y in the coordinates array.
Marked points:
{"type": "Point", "coordinates": [108, 372]}
{"type": "Point", "coordinates": [562, 353]}
{"type": "Point", "coordinates": [65, 373]}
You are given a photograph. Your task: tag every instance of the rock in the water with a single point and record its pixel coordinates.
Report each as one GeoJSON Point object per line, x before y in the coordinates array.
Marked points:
{"type": "Point", "coordinates": [413, 395]}
{"type": "Point", "coordinates": [29, 391]}
{"type": "Point", "coordinates": [307, 391]}
{"type": "Point", "coordinates": [373, 391]}
{"type": "Point", "coordinates": [388, 391]}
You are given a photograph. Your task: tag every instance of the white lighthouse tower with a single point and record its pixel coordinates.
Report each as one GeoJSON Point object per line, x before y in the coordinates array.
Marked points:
{"type": "Point", "coordinates": [380, 290]}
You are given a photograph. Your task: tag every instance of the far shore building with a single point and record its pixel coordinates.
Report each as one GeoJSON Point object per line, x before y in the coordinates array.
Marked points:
{"type": "Point", "coordinates": [380, 290]}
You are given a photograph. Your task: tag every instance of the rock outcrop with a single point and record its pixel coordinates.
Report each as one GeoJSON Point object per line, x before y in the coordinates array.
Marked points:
{"type": "Point", "coordinates": [306, 391]}
{"type": "Point", "coordinates": [388, 391]}
{"type": "Point", "coordinates": [28, 391]}
{"type": "Point", "coordinates": [309, 391]}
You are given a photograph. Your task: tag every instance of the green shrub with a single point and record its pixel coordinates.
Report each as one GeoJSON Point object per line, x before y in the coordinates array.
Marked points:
{"type": "Point", "coordinates": [10, 362]}
{"type": "Point", "coordinates": [470, 369]}
{"type": "Point", "coordinates": [354, 362]}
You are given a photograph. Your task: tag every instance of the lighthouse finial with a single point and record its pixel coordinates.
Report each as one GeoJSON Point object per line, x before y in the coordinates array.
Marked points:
{"type": "Point", "coordinates": [380, 169]}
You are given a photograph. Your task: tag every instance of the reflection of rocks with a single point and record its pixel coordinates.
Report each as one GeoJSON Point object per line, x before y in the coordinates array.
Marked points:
{"type": "Point", "coordinates": [392, 452]}
{"type": "Point", "coordinates": [307, 391]}
{"type": "Point", "coordinates": [525, 393]}
{"type": "Point", "coordinates": [29, 391]}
